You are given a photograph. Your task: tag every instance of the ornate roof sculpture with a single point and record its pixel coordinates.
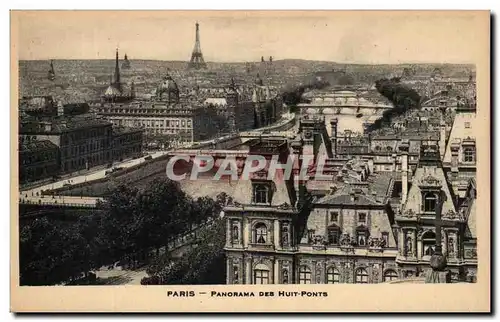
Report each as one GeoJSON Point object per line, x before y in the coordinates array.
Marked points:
{"type": "Point", "coordinates": [168, 90]}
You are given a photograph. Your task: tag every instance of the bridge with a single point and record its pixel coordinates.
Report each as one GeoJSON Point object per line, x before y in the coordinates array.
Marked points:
{"type": "Point", "coordinates": [349, 108]}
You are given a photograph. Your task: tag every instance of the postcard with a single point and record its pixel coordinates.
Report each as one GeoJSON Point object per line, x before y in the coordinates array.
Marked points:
{"type": "Point", "coordinates": [250, 161]}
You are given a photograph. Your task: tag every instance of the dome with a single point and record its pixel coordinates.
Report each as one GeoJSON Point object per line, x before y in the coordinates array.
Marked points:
{"type": "Point", "coordinates": [112, 91]}
{"type": "Point", "coordinates": [168, 89]}
{"type": "Point", "coordinates": [168, 85]}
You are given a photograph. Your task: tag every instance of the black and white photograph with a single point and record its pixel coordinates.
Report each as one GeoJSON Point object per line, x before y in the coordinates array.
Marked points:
{"type": "Point", "coordinates": [167, 148]}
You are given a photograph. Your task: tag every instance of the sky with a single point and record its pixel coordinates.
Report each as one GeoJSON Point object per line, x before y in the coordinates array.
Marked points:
{"type": "Point", "coordinates": [352, 37]}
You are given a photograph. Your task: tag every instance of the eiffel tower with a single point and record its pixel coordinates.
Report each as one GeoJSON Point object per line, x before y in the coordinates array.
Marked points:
{"type": "Point", "coordinates": [197, 61]}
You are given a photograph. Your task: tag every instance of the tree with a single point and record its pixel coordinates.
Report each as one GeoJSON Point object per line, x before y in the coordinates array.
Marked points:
{"type": "Point", "coordinates": [204, 263]}
{"type": "Point", "coordinates": [51, 254]}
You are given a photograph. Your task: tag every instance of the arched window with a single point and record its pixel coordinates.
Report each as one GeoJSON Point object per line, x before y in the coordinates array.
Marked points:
{"type": "Point", "coordinates": [469, 154]}
{"type": "Point", "coordinates": [361, 235]}
{"type": "Point", "coordinates": [260, 233]}
{"type": "Point", "coordinates": [390, 275]}
{"type": "Point", "coordinates": [430, 201]}
{"type": "Point", "coordinates": [428, 243]}
{"type": "Point", "coordinates": [304, 275]}
{"type": "Point", "coordinates": [235, 233]}
{"type": "Point", "coordinates": [261, 193]}
{"type": "Point", "coordinates": [284, 235]}
{"type": "Point", "coordinates": [261, 274]}
{"type": "Point", "coordinates": [284, 276]}
{"type": "Point", "coordinates": [361, 276]}
{"type": "Point", "coordinates": [332, 276]}
{"type": "Point", "coordinates": [333, 234]}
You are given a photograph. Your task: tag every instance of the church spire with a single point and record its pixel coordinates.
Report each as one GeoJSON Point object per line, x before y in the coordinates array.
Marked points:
{"type": "Point", "coordinates": [117, 72]}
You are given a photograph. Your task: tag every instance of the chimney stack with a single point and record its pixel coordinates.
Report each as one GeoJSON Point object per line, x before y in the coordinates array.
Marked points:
{"type": "Point", "coordinates": [333, 135]}
{"type": "Point", "coordinates": [404, 148]}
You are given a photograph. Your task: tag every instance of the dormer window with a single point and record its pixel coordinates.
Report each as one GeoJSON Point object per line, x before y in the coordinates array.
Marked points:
{"type": "Point", "coordinates": [430, 202]}
{"type": "Point", "coordinates": [361, 236]}
{"type": "Point", "coordinates": [333, 235]}
{"type": "Point", "coordinates": [334, 217]}
{"type": "Point", "coordinates": [261, 194]}
{"type": "Point", "coordinates": [469, 154]}
{"type": "Point", "coordinates": [361, 219]}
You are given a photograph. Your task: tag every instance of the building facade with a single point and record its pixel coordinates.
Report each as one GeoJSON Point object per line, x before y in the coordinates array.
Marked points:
{"type": "Point", "coordinates": [83, 142]}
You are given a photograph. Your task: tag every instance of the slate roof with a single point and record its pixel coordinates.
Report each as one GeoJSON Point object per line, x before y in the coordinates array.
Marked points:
{"type": "Point", "coordinates": [36, 146]}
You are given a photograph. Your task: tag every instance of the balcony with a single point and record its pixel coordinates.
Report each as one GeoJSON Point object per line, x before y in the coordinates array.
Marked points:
{"type": "Point", "coordinates": [259, 246]}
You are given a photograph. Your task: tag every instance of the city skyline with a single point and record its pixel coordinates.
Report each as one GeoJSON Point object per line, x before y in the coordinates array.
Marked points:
{"type": "Point", "coordinates": [360, 39]}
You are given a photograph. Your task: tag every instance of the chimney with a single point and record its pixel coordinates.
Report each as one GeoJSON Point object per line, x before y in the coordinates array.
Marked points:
{"type": "Point", "coordinates": [442, 138]}
{"type": "Point", "coordinates": [60, 108]}
{"type": "Point", "coordinates": [404, 148]}
{"type": "Point", "coordinates": [297, 151]}
{"type": "Point", "coordinates": [333, 135]}
{"type": "Point", "coordinates": [394, 162]}
{"type": "Point", "coordinates": [455, 148]}
{"type": "Point", "coordinates": [47, 126]}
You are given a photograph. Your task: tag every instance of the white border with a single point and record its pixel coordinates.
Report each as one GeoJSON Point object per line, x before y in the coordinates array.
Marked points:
{"type": "Point", "coordinates": [148, 4]}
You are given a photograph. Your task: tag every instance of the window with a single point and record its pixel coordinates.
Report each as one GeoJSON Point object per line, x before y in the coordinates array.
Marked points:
{"type": "Point", "coordinates": [235, 233]}
{"type": "Point", "coordinates": [428, 243]}
{"type": "Point", "coordinates": [362, 218]}
{"type": "Point", "coordinates": [332, 276]}
{"type": "Point", "coordinates": [430, 201]}
{"type": "Point", "coordinates": [385, 239]}
{"type": "Point", "coordinates": [334, 217]}
{"type": "Point", "coordinates": [261, 193]}
{"type": "Point", "coordinates": [361, 276]}
{"type": "Point", "coordinates": [469, 154]}
{"type": "Point", "coordinates": [390, 275]}
{"type": "Point", "coordinates": [304, 275]}
{"type": "Point", "coordinates": [236, 276]}
{"type": "Point", "coordinates": [361, 237]}
{"type": "Point", "coordinates": [284, 235]}
{"type": "Point", "coordinates": [260, 233]}
{"type": "Point", "coordinates": [261, 276]}
{"type": "Point", "coordinates": [467, 125]}
{"type": "Point", "coordinates": [333, 235]}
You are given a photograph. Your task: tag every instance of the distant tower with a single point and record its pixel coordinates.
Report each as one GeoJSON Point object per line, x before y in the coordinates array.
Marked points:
{"type": "Point", "coordinates": [270, 59]}
{"type": "Point", "coordinates": [262, 59]}
{"type": "Point", "coordinates": [52, 74]}
{"type": "Point", "coordinates": [117, 84]}
{"type": "Point", "coordinates": [126, 62]}
{"type": "Point", "coordinates": [197, 61]}
{"type": "Point", "coordinates": [132, 90]}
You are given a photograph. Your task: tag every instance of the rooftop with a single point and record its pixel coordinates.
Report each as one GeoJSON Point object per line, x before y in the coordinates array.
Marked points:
{"type": "Point", "coordinates": [60, 124]}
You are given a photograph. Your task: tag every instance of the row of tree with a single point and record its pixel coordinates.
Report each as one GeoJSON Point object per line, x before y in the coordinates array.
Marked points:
{"type": "Point", "coordinates": [125, 228]}
{"type": "Point", "coordinates": [204, 263]}
{"type": "Point", "coordinates": [401, 96]}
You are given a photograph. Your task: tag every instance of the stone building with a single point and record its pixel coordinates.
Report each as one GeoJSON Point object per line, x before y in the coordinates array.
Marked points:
{"type": "Point", "coordinates": [416, 220]}
{"type": "Point", "coordinates": [83, 141]}
{"type": "Point", "coordinates": [38, 159]}
{"type": "Point", "coordinates": [350, 238]}
{"type": "Point", "coordinates": [261, 231]}
{"type": "Point", "coordinates": [127, 143]}
{"type": "Point", "coordinates": [459, 159]}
